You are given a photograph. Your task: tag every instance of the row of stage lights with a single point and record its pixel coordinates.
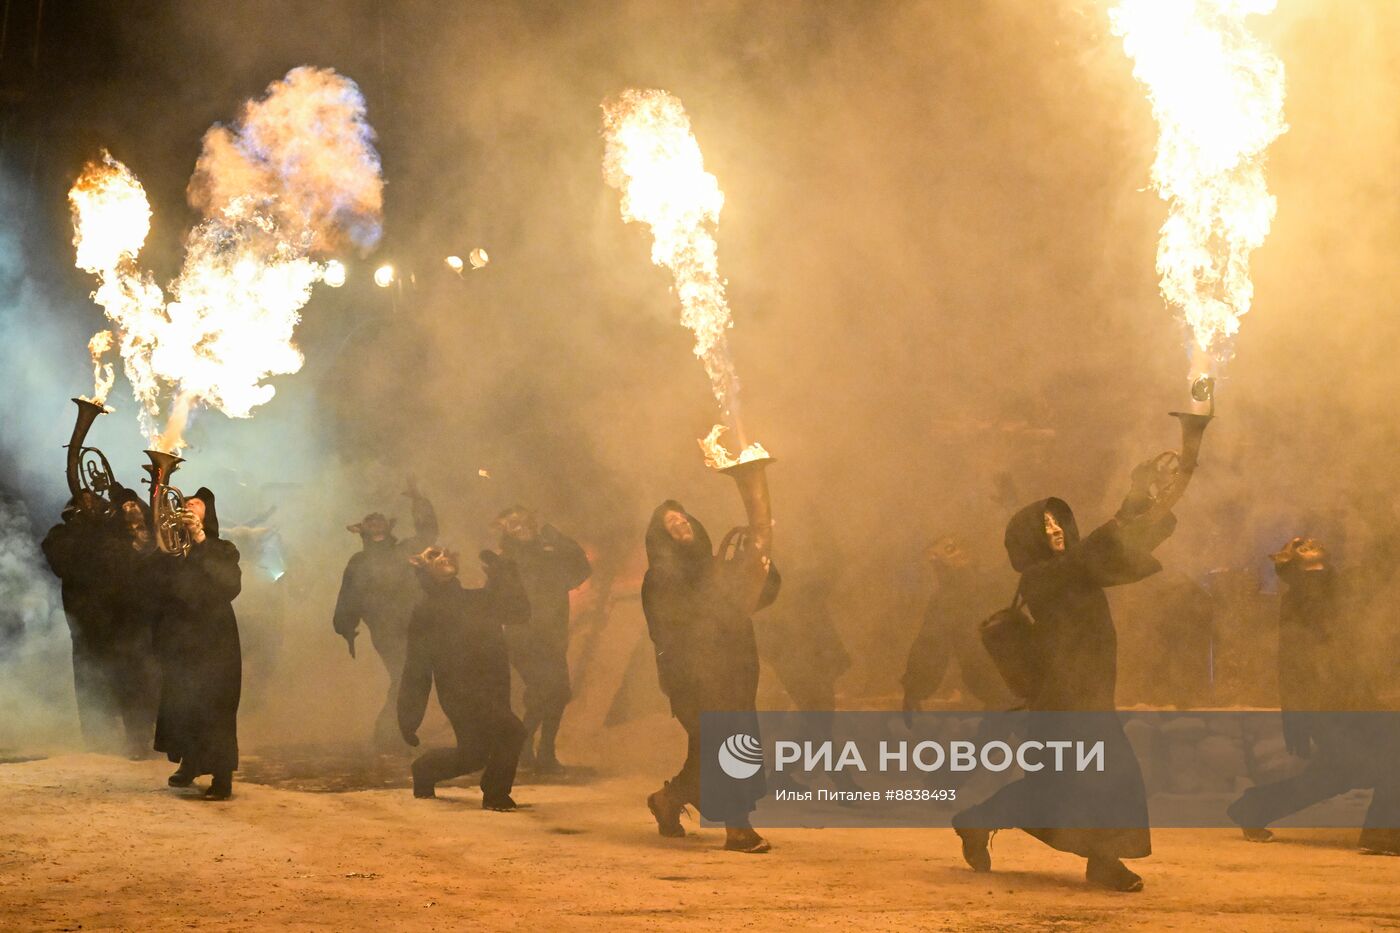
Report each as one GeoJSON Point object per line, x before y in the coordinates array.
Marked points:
{"type": "Point", "coordinates": [335, 272]}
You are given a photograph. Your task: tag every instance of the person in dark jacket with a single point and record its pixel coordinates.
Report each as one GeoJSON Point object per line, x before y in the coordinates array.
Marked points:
{"type": "Point", "coordinates": [201, 662]}
{"type": "Point", "coordinates": [550, 565]}
{"type": "Point", "coordinates": [380, 589]}
{"type": "Point", "coordinates": [1323, 686]}
{"type": "Point", "coordinates": [962, 593]}
{"type": "Point", "coordinates": [699, 619]}
{"type": "Point", "coordinates": [1101, 816]}
{"type": "Point", "coordinates": [78, 550]}
{"type": "Point", "coordinates": [135, 608]}
{"type": "Point", "coordinates": [455, 641]}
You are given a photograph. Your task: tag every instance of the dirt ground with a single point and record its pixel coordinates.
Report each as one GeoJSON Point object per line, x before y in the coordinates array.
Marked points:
{"type": "Point", "coordinates": [88, 843]}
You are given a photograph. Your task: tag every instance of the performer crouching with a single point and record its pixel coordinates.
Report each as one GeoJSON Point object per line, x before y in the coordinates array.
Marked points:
{"type": "Point", "coordinates": [200, 658]}
{"type": "Point", "coordinates": [698, 609]}
{"type": "Point", "coordinates": [455, 640]}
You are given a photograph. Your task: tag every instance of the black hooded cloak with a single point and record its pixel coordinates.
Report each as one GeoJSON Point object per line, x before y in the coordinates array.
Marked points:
{"type": "Point", "coordinates": [1064, 593]}
{"type": "Point", "coordinates": [950, 630]}
{"type": "Point", "coordinates": [201, 662]}
{"type": "Point", "coordinates": [706, 655]}
{"type": "Point", "coordinates": [78, 551]}
{"type": "Point", "coordinates": [136, 605]}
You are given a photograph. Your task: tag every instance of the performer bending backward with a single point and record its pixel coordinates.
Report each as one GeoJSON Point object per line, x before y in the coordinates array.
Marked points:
{"type": "Point", "coordinates": [1102, 816]}
{"type": "Point", "coordinates": [379, 588]}
{"type": "Point", "coordinates": [550, 565]}
{"type": "Point", "coordinates": [455, 641]}
{"type": "Point", "coordinates": [698, 608]}
{"type": "Point", "coordinates": [1324, 689]}
{"type": "Point", "coordinates": [200, 658]}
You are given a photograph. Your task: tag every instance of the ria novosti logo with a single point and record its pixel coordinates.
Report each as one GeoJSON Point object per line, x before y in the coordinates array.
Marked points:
{"type": "Point", "coordinates": [740, 756]}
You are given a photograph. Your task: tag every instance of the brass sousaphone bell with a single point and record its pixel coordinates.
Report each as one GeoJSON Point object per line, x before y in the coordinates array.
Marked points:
{"type": "Point", "coordinates": [752, 479]}
{"type": "Point", "coordinates": [88, 469]}
{"type": "Point", "coordinates": [1178, 468]}
{"type": "Point", "coordinates": [167, 504]}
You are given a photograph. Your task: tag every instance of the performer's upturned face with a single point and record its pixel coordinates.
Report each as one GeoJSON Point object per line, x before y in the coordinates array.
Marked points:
{"type": "Point", "coordinates": [1054, 533]}
{"type": "Point", "coordinates": [1308, 552]}
{"type": "Point", "coordinates": [195, 507]}
{"type": "Point", "coordinates": [135, 521]}
{"type": "Point", "coordinates": [441, 563]}
{"type": "Point", "coordinates": [679, 528]}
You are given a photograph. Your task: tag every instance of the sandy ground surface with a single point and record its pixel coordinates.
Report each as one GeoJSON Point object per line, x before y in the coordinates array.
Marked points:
{"type": "Point", "coordinates": [99, 843]}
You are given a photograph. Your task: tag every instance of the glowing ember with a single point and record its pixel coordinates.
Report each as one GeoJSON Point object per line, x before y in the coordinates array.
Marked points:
{"type": "Point", "coordinates": [718, 457]}
{"type": "Point", "coordinates": [296, 177]}
{"type": "Point", "coordinates": [1217, 94]}
{"type": "Point", "coordinates": [653, 159]}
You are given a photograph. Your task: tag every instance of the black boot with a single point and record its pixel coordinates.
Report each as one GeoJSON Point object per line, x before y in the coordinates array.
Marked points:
{"type": "Point", "coordinates": [184, 775]}
{"type": "Point", "coordinates": [1112, 874]}
{"type": "Point", "coordinates": [221, 788]}
{"type": "Point", "coordinates": [744, 839]}
{"type": "Point", "coordinates": [667, 813]}
{"type": "Point", "coordinates": [501, 803]}
{"type": "Point", "coordinates": [976, 850]}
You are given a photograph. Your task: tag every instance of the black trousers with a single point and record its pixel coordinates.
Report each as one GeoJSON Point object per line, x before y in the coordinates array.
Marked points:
{"type": "Point", "coordinates": [729, 803]}
{"type": "Point", "coordinates": [1322, 780]}
{"type": "Point", "coordinates": [488, 741]}
{"type": "Point", "coordinates": [392, 646]}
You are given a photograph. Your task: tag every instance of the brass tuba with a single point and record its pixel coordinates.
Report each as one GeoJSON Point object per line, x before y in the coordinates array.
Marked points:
{"type": "Point", "coordinates": [167, 504]}
{"type": "Point", "coordinates": [1176, 469]}
{"type": "Point", "coordinates": [88, 469]}
{"type": "Point", "coordinates": [753, 546]}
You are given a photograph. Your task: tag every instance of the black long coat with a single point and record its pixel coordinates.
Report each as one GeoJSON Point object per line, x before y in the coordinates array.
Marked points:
{"type": "Point", "coordinates": [196, 639]}
{"type": "Point", "coordinates": [1064, 593]}
{"type": "Point", "coordinates": [706, 655]}
{"type": "Point", "coordinates": [78, 552]}
{"type": "Point", "coordinates": [379, 586]}
{"type": "Point", "coordinates": [962, 599]}
{"type": "Point", "coordinates": [455, 641]}
{"type": "Point", "coordinates": [550, 567]}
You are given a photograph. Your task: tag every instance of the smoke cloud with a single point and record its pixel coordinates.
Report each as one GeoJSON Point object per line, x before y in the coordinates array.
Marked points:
{"type": "Point", "coordinates": [939, 246]}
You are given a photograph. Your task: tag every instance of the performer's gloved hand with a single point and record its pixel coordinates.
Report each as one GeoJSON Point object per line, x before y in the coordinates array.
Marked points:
{"type": "Point", "coordinates": [1139, 499]}
{"type": "Point", "coordinates": [911, 706]}
{"type": "Point", "coordinates": [411, 738]}
{"type": "Point", "coordinates": [350, 642]}
{"type": "Point", "coordinates": [195, 525]}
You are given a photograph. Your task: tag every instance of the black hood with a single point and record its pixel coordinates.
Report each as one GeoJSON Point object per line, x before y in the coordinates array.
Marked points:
{"type": "Point", "coordinates": [671, 558]}
{"type": "Point", "coordinates": [211, 511]}
{"type": "Point", "coordinates": [125, 495]}
{"type": "Point", "coordinates": [1025, 539]}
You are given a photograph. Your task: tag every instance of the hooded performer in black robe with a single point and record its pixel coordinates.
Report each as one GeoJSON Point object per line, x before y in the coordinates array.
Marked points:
{"type": "Point", "coordinates": [136, 605]}
{"type": "Point", "coordinates": [201, 662]}
{"type": "Point", "coordinates": [455, 641]}
{"type": "Point", "coordinates": [1102, 816]}
{"type": "Point", "coordinates": [550, 565]}
{"type": "Point", "coordinates": [78, 551]}
{"type": "Point", "coordinates": [1325, 692]}
{"type": "Point", "coordinates": [380, 589]}
{"type": "Point", "coordinates": [706, 655]}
